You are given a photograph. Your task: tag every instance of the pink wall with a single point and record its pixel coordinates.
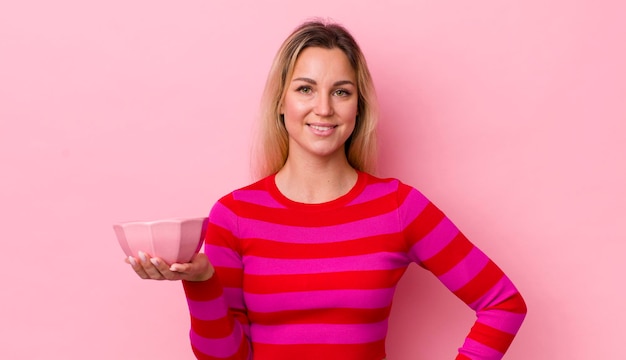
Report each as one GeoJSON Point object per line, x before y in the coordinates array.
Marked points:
{"type": "Point", "coordinates": [510, 115]}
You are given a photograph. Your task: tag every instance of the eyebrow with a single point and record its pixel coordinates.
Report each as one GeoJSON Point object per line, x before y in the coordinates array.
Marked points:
{"type": "Point", "coordinates": [313, 82]}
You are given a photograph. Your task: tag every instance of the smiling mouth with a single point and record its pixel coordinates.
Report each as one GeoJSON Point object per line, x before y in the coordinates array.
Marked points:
{"type": "Point", "coordinates": [322, 127]}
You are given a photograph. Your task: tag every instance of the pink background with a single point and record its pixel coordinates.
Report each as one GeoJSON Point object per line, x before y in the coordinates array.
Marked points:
{"type": "Point", "coordinates": [510, 115]}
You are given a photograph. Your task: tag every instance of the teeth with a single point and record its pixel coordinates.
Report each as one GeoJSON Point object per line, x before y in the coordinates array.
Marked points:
{"type": "Point", "coordinates": [321, 128]}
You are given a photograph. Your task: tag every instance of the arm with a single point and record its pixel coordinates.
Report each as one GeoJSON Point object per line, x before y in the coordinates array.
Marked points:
{"type": "Point", "coordinates": [219, 324]}
{"type": "Point", "coordinates": [437, 245]}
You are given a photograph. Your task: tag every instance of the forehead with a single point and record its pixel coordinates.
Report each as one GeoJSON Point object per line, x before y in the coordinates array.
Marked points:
{"type": "Point", "coordinates": [322, 62]}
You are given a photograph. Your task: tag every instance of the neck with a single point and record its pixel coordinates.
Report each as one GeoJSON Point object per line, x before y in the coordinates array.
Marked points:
{"type": "Point", "coordinates": [315, 183]}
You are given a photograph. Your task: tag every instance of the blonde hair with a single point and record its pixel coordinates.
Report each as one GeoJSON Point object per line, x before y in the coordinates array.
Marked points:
{"type": "Point", "coordinates": [272, 147]}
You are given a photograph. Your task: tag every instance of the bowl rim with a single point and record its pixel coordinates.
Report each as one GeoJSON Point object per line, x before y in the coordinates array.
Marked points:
{"type": "Point", "coordinates": [175, 220]}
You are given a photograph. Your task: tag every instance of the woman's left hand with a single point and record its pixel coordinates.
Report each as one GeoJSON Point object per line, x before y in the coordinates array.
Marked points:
{"type": "Point", "coordinates": [146, 267]}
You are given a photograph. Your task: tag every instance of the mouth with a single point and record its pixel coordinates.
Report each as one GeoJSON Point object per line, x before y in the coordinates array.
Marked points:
{"type": "Point", "coordinates": [322, 127]}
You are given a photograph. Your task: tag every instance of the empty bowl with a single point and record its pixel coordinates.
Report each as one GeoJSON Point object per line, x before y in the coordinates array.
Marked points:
{"type": "Point", "coordinates": [172, 240]}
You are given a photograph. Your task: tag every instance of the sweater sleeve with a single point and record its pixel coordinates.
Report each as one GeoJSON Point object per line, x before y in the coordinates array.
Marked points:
{"type": "Point", "coordinates": [219, 322]}
{"type": "Point", "coordinates": [436, 244]}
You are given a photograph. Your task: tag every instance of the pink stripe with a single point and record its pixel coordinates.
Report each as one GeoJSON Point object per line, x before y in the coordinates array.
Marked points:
{"type": "Point", "coordinates": [376, 225]}
{"type": "Point", "coordinates": [435, 241]}
{"type": "Point", "coordinates": [223, 347]}
{"type": "Point", "coordinates": [208, 310]}
{"type": "Point", "coordinates": [501, 291]}
{"type": "Point", "coordinates": [222, 256]}
{"type": "Point", "coordinates": [319, 333]}
{"type": "Point", "coordinates": [465, 270]}
{"type": "Point", "coordinates": [323, 299]}
{"type": "Point", "coordinates": [375, 191]}
{"type": "Point", "coordinates": [257, 197]}
{"type": "Point", "coordinates": [378, 261]}
{"type": "Point", "coordinates": [412, 206]}
{"type": "Point", "coordinates": [222, 216]}
{"type": "Point", "coordinates": [234, 297]}
{"type": "Point", "coordinates": [479, 351]}
{"type": "Point", "coordinates": [502, 320]}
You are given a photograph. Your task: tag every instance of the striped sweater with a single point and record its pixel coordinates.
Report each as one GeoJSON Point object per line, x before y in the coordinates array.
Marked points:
{"type": "Point", "coordinates": [316, 281]}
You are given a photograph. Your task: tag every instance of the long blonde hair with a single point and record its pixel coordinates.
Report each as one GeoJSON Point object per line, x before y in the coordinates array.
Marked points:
{"type": "Point", "coordinates": [272, 147]}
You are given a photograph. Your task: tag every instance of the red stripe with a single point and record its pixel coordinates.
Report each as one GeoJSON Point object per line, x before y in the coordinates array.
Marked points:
{"type": "Point", "coordinates": [213, 329]}
{"type": "Point", "coordinates": [449, 256]}
{"type": "Point", "coordinates": [373, 350]}
{"type": "Point", "coordinates": [320, 316]}
{"type": "Point", "coordinates": [230, 277]}
{"type": "Point", "coordinates": [480, 284]}
{"type": "Point", "coordinates": [218, 236]}
{"type": "Point", "coordinates": [374, 279]}
{"type": "Point", "coordinates": [281, 250]}
{"type": "Point", "coordinates": [514, 304]}
{"type": "Point", "coordinates": [242, 353]}
{"type": "Point", "coordinates": [203, 290]}
{"type": "Point", "coordinates": [491, 337]}
{"type": "Point", "coordinates": [425, 222]}
{"type": "Point", "coordinates": [292, 217]}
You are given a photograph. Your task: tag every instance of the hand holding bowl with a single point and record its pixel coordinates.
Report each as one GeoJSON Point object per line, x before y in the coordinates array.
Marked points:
{"type": "Point", "coordinates": [172, 240]}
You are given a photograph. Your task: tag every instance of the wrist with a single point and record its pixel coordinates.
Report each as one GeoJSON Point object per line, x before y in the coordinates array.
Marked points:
{"type": "Point", "coordinates": [206, 275]}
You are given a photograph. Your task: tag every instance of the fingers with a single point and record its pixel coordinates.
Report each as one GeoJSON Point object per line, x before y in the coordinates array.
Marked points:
{"type": "Point", "coordinates": [146, 267]}
{"type": "Point", "coordinates": [180, 268]}
{"type": "Point", "coordinates": [137, 267]}
{"type": "Point", "coordinates": [163, 270]}
{"type": "Point", "coordinates": [199, 269]}
{"type": "Point", "coordinates": [151, 268]}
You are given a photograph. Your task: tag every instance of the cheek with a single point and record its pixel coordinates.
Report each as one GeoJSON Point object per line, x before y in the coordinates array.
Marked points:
{"type": "Point", "coordinates": [286, 104]}
{"type": "Point", "coordinates": [351, 115]}
{"type": "Point", "coordinates": [350, 111]}
{"type": "Point", "coordinates": [294, 108]}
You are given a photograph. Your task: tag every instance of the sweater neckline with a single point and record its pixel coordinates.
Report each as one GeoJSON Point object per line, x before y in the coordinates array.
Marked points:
{"type": "Point", "coordinates": [361, 181]}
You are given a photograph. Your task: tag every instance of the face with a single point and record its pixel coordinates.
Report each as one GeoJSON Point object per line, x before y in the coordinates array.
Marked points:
{"type": "Point", "coordinates": [320, 104]}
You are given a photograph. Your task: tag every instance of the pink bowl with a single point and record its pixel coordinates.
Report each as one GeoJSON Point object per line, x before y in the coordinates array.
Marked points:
{"type": "Point", "coordinates": [173, 240]}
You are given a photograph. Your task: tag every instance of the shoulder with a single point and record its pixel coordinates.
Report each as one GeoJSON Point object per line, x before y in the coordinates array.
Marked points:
{"type": "Point", "coordinates": [240, 202]}
{"type": "Point", "coordinates": [256, 192]}
{"type": "Point", "coordinates": [390, 185]}
{"type": "Point", "coordinates": [408, 200]}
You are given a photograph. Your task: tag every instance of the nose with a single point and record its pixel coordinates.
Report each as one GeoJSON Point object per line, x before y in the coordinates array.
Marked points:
{"type": "Point", "coordinates": [324, 106]}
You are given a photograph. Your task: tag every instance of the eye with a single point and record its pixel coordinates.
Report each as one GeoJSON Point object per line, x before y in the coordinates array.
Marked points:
{"type": "Point", "coordinates": [304, 90]}
{"type": "Point", "coordinates": [342, 92]}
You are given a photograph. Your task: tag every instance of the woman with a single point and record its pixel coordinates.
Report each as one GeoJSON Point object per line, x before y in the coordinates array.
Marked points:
{"type": "Point", "coordinates": [303, 263]}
